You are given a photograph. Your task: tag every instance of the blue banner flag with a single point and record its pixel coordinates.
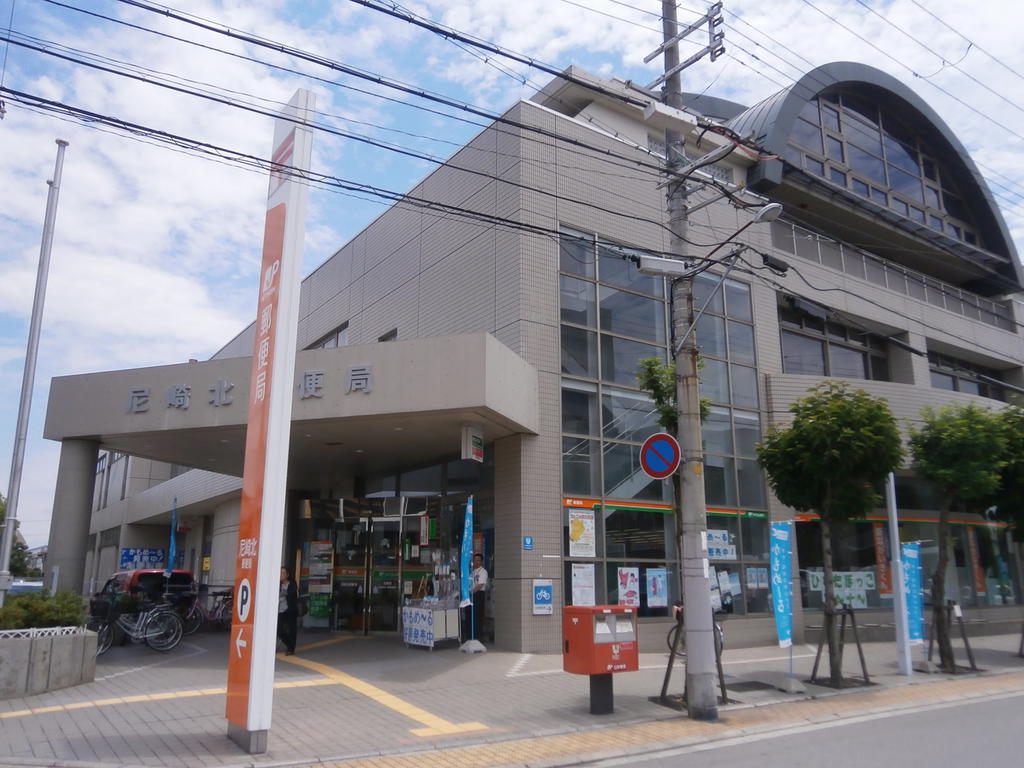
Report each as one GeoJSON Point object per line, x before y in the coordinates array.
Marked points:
{"type": "Point", "coordinates": [172, 552]}
{"type": "Point", "coordinates": [466, 558]}
{"type": "Point", "coordinates": [912, 590]}
{"type": "Point", "coordinates": [782, 588]}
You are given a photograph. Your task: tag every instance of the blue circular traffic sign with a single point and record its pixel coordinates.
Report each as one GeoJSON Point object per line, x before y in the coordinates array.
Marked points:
{"type": "Point", "coordinates": [659, 455]}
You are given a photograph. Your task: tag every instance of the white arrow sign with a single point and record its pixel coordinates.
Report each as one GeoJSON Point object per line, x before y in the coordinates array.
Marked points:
{"type": "Point", "coordinates": [239, 642]}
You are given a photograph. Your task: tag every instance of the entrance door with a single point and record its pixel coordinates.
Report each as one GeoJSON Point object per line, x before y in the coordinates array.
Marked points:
{"type": "Point", "coordinates": [367, 574]}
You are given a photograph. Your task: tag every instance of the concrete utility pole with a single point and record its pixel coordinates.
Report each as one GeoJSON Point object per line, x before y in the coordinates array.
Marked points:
{"type": "Point", "coordinates": [701, 696]}
{"type": "Point", "coordinates": [29, 375]}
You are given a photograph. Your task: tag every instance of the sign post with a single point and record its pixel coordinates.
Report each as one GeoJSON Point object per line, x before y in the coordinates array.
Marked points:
{"type": "Point", "coordinates": [250, 688]}
{"type": "Point", "coordinates": [659, 455]}
{"type": "Point", "coordinates": [900, 594]}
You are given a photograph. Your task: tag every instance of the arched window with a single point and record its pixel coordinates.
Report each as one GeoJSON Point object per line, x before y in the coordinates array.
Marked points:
{"type": "Point", "coordinates": [868, 150]}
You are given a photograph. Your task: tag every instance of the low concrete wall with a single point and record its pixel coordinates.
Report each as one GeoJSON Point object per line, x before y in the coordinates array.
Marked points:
{"type": "Point", "coordinates": [38, 660]}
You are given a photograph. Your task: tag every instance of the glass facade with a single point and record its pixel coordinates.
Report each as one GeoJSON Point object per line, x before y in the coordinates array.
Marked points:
{"type": "Point", "coordinates": [962, 376]}
{"type": "Point", "coordinates": [853, 143]}
{"type": "Point", "coordinates": [865, 266]}
{"type": "Point", "coordinates": [619, 525]}
{"type": "Point", "coordinates": [979, 571]}
{"type": "Point", "coordinates": [814, 346]}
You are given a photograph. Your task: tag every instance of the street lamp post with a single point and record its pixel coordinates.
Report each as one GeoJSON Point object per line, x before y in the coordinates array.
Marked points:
{"type": "Point", "coordinates": [29, 373]}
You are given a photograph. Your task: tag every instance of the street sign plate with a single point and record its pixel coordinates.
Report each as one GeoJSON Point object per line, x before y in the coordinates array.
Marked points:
{"type": "Point", "coordinates": [659, 455]}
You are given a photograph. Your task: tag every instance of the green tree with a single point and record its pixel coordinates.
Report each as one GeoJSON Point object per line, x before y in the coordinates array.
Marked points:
{"type": "Point", "coordinates": [839, 447]}
{"type": "Point", "coordinates": [1010, 501]}
{"type": "Point", "coordinates": [961, 449]}
{"type": "Point", "coordinates": [19, 550]}
{"type": "Point", "coordinates": [658, 379]}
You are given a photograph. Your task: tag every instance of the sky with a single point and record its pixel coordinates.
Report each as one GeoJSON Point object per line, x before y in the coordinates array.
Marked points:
{"type": "Point", "coordinates": [155, 251]}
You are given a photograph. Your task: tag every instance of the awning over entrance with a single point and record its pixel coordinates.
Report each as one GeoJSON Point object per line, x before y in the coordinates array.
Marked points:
{"type": "Point", "coordinates": [356, 409]}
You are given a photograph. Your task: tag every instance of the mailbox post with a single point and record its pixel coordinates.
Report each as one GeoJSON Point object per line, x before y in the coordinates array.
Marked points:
{"type": "Point", "coordinates": [600, 640]}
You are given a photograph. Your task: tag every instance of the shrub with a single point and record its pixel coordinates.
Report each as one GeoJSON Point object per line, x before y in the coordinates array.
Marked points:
{"type": "Point", "coordinates": [39, 609]}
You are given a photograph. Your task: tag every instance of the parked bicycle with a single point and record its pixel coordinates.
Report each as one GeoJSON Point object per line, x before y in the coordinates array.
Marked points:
{"type": "Point", "coordinates": [676, 628]}
{"type": "Point", "coordinates": [194, 613]}
{"type": "Point", "coordinates": [155, 624]}
{"type": "Point", "coordinates": [219, 614]}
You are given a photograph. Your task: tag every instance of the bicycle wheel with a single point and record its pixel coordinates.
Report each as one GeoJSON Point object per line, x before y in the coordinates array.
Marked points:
{"type": "Point", "coordinates": [223, 617]}
{"type": "Point", "coordinates": [670, 639]}
{"type": "Point", "coordinates": [162, 631]}
{"type": "Point", "coordinates": [104, 635]}
{"type": "Point", "coordinates": [192, 620]}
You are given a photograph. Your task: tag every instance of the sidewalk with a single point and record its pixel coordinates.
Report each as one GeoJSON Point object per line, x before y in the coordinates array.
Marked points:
{"type": "Point", "coordinates": [372, 701]}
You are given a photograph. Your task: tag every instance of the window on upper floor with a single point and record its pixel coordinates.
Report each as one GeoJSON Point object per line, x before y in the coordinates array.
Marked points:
{"type": "Point", "coordinates": [336, 338]}
{"type": "Point", "coordinates": [818, 347]}
{"type": "Point", "coordinates": [958, 375]}
{"type": "Point", "coordinates": [389, 336]}
{"type": "Point", "coordinates": [853, 143]}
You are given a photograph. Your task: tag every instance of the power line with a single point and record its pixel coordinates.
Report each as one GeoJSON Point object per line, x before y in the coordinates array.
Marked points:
{"type": "Point", "coordinates": [311, 177]}
{"type": "Point", "coordinates": [913, 72]}
{"type": "Point", "coordinates": [349, 135]}
{"type": "Point", "coordinates": [944, 62]}
{"type": "Point", "coordinates": [630, 163]}
{"type": "Point", "coordinates": [971, 43]}
{"type": "Point", "coordinates": [384, 81]}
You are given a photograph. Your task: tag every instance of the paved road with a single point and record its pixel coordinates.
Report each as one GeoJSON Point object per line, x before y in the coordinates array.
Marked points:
{"type": "Point", "coordinates": [959, 733]}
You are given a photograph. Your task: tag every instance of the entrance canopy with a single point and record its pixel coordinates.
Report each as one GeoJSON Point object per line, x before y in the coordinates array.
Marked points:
{"type": "Point", "coordinates": [357, 410]}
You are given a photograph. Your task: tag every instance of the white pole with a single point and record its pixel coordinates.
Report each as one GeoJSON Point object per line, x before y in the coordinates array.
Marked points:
{"type": "Point", "coordinates": [29, 374]}
{"type": "Point", "coordinates": [900, 602]}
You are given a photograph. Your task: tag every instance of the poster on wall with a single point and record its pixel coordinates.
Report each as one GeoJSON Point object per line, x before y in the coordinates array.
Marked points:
{"type": "Point", "coordinates": [321, 567]}
{"type": "Point", "coordinates": [583, 584]}
{"type": "Point", "coordinates": [142, 557]}
{"type": "Point", "coordinates": [716, 594]}
{"type": "Point", "coordinates": [543, 597]}
{"type": "Point", "coordinates": [851, 587]}
{"type": "Point", "coordinates": [980, 586]}
{"type": "Point", "coordinates": [657, 587]}
{"type": "Point", "coordinates": [720, 546]}
{"type": "Point", "coordinates": [629, 586]}
{"type": "Point", "coordinates": [751, 578]}
{"type": "Point", "coordinates": [581, 533]}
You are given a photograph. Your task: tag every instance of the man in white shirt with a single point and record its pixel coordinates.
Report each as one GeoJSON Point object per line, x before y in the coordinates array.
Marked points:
{"type": "Point", "coordinates": [479, 586]}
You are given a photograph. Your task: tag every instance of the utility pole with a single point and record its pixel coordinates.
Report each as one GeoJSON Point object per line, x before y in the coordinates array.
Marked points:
{"type": "Point", "coordinates": [29, 375]}
{"type": "Point", "coordinates": [701, 696]}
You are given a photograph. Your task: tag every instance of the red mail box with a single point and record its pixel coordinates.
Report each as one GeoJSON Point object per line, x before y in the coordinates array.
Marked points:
{"type": "Point", "coordinates": [599, 639]}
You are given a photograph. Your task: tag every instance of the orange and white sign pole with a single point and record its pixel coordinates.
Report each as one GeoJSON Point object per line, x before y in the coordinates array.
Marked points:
{"type": "Point", "coordinates": [260, 529]}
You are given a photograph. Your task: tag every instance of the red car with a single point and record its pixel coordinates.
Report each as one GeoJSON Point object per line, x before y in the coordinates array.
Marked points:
{"type": "Point", "coordinates": [141, 584]}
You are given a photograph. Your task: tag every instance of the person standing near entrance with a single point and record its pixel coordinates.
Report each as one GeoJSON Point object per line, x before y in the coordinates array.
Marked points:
{"type": "Point", "coordinates": [287, 612]}
{"type": "Point", "coordinates": [479, 593]}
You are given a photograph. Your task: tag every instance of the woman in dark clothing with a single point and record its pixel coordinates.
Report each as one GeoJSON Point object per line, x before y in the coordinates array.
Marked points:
{"type": "Point", "coordinates": [287, 612]}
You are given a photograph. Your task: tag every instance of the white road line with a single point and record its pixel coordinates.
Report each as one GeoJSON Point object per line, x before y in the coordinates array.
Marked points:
{"type": "Point", "coordinates": [514, 670]}
{"type": "Point", "coordinates": [167, 660]}
{"type": "Point", "coordinates": [523, 660]}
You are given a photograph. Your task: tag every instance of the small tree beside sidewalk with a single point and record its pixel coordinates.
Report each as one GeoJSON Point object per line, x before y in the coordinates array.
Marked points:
{"type": "Point", "coordinates": [962, 450]}
{"type": "Point", "coordinates": [839, 447]}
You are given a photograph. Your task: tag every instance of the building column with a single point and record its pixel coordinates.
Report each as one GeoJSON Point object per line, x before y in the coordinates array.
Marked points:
{"type": "Point", "coordinates": [72, 510]}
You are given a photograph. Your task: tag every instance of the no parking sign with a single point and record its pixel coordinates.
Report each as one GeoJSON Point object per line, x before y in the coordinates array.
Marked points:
{"type": "Point", "coordinates": [659, 455]}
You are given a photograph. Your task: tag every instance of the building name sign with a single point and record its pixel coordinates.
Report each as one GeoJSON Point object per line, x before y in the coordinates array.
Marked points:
{"type": "Point", "coordinates": [312, 384]}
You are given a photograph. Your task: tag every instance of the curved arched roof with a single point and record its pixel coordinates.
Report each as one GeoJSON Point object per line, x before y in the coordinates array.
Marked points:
{"type": "Point", "coordinates": [771, 121]}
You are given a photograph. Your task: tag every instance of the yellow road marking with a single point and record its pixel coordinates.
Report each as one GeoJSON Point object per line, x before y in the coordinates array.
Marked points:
{"type": "Point", "coordinates": [322, 643]}
{"type": "Point", "coordinates": [433, 725]}
{"type": "Point", "coordinates": [143, 697]}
